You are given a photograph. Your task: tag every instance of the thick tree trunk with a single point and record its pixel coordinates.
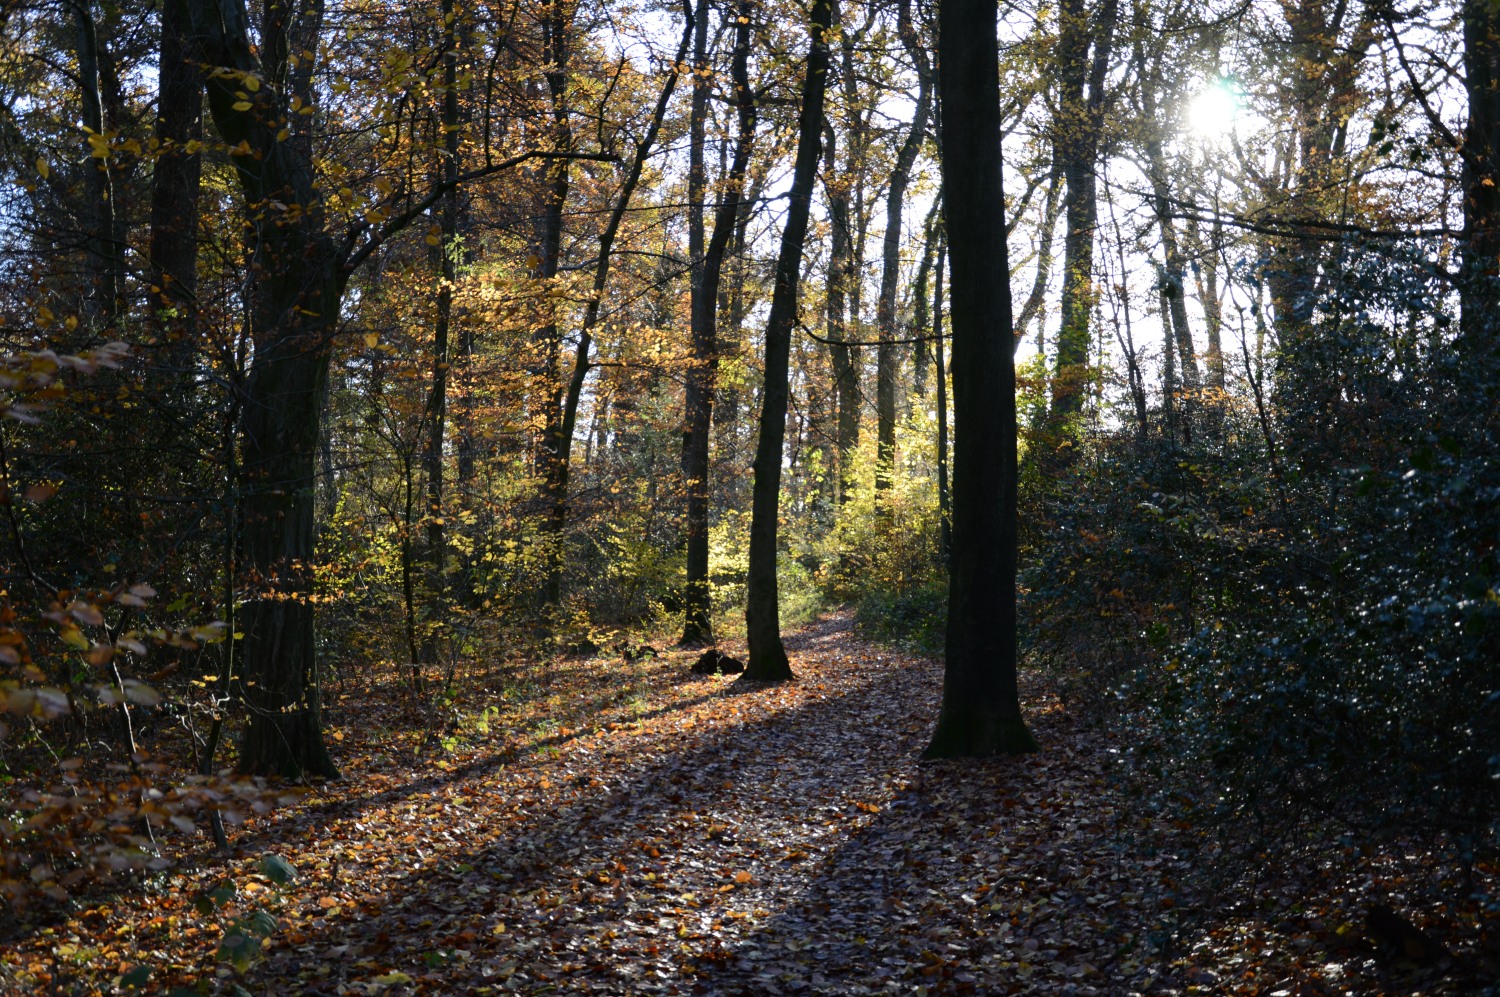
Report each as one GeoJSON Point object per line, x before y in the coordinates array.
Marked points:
{"type": "Point", "coordinates": [697, 395]}
{"type": "Point", "coordinates": [295, 306]}
{"type": "Point", "coordinates": [697, 596]}
{"type": "Point", "coordinates": [551, 456]}
{"type": "Point", "coordinates": [768, 660]}
{"type": "Point", "coordinates": [887, 356]}
{"type": "Point", "coordinates": [175, 181]}
{"type": "Point", "coordinates": [279, 431]}
{"type": "Point", "coordinates": [981, 712]}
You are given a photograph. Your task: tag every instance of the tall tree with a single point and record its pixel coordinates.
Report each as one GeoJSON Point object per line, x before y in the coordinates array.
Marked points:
{"type": "Point", "coordinates": [768, 660]}
{"type": "Point", "coordinates": [175, 180]}
{"type": "Point", "coordinates": [1084, 46]}
{"type": "Point", "coordinates": [844, 188]}
{"type": "Point", "coordinates": [886, 355]}
{"type": "Point", "coordinates": [981, 710]}
{"type": "Point", "coordinates": [105, 242]}
{"type": "Point", "coordinates": [707, 270]}
{"type": "Point", "coordinates": [447, 248]}
{"type": "Point", "coordinates": [1480, 147]}
{"type": "Point", "coordinates": [551, 456]}
{"type": "Point", "coordinates": [295, 297]}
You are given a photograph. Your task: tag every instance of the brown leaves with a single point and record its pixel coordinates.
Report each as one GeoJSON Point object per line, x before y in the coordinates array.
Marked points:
{"type": "Point", "coordinates": [617, 832]}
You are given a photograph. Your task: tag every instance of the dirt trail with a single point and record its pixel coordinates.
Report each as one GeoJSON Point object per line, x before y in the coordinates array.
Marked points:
{"type": "Point", "coordinates": [747, 840]}
{"type": "Point", "coordinates": [713, 838]}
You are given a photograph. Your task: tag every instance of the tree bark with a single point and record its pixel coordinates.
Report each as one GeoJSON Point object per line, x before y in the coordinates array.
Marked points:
{"type": "Point", "coordinates": [437, 401]}
{"type": "Point", "coordinates": [551, 460]}
{"type": "Point", "coordinates": [1480, 287]}
{"type": "Point", "coordinates": [105, 251]}
{"type": "Point", "coordinates": [175, 181]}
{"type": "Point", "coordinates": [296, 292]}
{"type": "Point", "coordinates": [981, 713]}
{"type": "Point", "coordinates": [843, 357]}
{"type": "Point", "coordinates": [697, 596]}
{"type": "Point", "coordinates": [921, 315]}
{"type": "Point", "coordinates": [945, 509]}
{"type": "Point", "coordinates": [1076, 141]}
{"type": "Point", "coordinates": [886, 355]}
{"type": "Point", "coordinates": [768, 660]}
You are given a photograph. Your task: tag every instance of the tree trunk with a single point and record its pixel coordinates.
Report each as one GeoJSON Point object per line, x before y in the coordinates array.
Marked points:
{"type": "Point", "coordinates": [768, 660]}
{"type": "Point", "coordinates": [1126, 336]}
{"type": "Point", "coordinates": [697, 596]}
{"type": "Point", "coordinates": [1480, 287]}
{"type": "Point", "coordinates": [295, 299]}
{"type": "Point", "coordinates": [981, 711]}
{"type": "Point", "coordinates": [1206, 276]}
{"type": "Point", "coordinates": [731, 334]}
{"type": "Point", "coordinates": [552, 461]}
{"type": "Point", "coordinates": [886, 355]}
{"type": "Point", "coordinates": [843, 357]}
{"type": "Point", "coordinates": [1031, 308]}
{"type": "Point", "coordinates": [921, 316]}
{"type": "Point", "coordinates": [945, 510]}
{"type": "Point", "coordinates": [437, 402]}
{"type": "Point", "coordinates": [106, 263]}
{"type": "Point", "coordinates": [1171, 275]}
{"type": "Point", "coordinates": [175, 179]}
{"type": "Point", "coordinates": [1076, 141]}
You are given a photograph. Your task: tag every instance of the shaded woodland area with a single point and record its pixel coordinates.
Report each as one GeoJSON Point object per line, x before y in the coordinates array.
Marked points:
{"type": "Point", "coordinates": [1079, 422]}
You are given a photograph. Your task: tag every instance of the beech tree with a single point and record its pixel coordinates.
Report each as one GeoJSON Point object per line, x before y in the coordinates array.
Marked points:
{"type": "Point", "coordinates": [890, 272]}
{"type": "Point", "coordinates": [981, 712]}
{"type": "Point", "coordinates": [768, 660]}
{"type": "Point", "coordinates": [708, 266]}
{"type": "Point", "coordinates": [1085, 43]}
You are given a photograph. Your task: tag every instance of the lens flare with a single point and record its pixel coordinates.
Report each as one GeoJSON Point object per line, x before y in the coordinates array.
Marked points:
{"type": "Point", "coordinates": [1212, 113]}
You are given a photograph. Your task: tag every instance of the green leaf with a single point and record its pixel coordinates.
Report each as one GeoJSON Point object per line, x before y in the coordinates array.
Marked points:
{"type": "Point", "coordinates": [278, 870]}
{"type": "Point", "coordinates": [238, 950]}
{"type": "Point", "coordinates": [261, 923]}
{"type": "Point", "coordinates": [136, 977]}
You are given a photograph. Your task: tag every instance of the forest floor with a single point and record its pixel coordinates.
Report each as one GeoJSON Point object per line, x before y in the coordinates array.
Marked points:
{"type": "Point", "coordinates": [628, 828]}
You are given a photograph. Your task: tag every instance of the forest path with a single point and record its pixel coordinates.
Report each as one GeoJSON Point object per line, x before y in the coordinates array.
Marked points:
{"type": "Point", "coordinates": [632, 829]}
{"type": "Point", "coordinates": [736, 840]}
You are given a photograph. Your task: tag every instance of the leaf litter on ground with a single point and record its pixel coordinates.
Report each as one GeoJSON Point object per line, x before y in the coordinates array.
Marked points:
{"type": "Point", "coordinates": [625, 828]}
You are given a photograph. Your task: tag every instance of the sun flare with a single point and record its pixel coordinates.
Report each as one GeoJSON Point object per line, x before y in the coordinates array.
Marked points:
{"type": "Point", "coordinates": [1212, 113]}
